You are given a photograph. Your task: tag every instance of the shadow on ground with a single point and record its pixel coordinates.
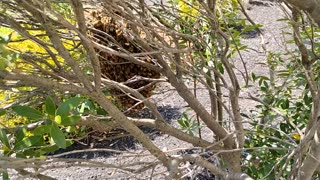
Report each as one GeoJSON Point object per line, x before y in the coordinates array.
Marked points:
{"type": "Point", "coordinates": [117, 139]}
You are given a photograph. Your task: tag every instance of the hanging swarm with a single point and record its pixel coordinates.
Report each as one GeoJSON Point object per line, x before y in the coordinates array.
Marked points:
{"type": "Point", "coordinates": [116, 68]}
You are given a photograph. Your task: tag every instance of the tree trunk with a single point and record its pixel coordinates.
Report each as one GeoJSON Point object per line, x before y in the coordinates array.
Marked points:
{"type": "Point", "coordinates": [311, 162]}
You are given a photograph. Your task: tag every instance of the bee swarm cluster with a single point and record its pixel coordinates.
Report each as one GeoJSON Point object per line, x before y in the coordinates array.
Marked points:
{"type": "Point", "coordinates": [106, 31]}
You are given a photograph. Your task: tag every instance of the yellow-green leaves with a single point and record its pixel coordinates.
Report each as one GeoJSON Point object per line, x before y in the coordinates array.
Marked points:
{"type": "Point", "coordinates": [188, 9]}
{"type": "Point", "coordinates": [57, 119]}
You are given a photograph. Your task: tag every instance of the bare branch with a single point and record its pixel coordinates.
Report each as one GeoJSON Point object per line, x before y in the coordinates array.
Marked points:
{"type": "Point", "coordinates": [36, 81]}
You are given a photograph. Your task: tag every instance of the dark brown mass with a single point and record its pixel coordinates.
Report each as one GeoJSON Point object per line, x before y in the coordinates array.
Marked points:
{"type": "Point", "coordinates": [104, 30]}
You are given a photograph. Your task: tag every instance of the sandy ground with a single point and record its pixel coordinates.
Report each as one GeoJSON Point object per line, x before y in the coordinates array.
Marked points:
{"type": "Point", "coordinates": [172, 106]}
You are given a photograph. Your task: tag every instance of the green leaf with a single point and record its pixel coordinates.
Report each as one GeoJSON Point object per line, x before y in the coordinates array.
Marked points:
{"type": "Point", "coordinates": [220, 67]}
{"type": "Point", "coordinates": [58, 136]}
{"type": "Point", "coordinates": [5, 175]}
{"type": "Point", "coordinates": [2, 112]}
{"type": "Point", "coordinates": [20, 134]}
{"type": "Point", "coordinates": [101, 111]}
{"type": "Point", "coordinates": [86, 106]}
{"type": "Point", "coordinates": [70, 120]}
{"type": "Point", "coordinates": [187, 123]}
{"type": "Point", "coordinates": [28, 142]}
{"type": "Point", "coordinates": [29, 153]}
{"type": "Point", "coordinates": [263, 89]}
{"type": "Point", "coordinates": [181, 122]}
{"type": "Point", "coordinates": [266, 84]}
{"type": "Point", "coordinates": [50, 106]}
{"type": "Point", "coordinates": [53, 148]}
{"type": "Point", "coordinates": [285, 104]}
{"type": "Point", "coordinates": [4, 138]}
{"type": "Point", "coordinates": [261, 79]}
{"type": "Point", "coordinates": [307, 100]}
{"type": "Point", "coordinates": [65, 108]}
{"type": "Point", "coordinates": [41, 130]}
{"type": "Point", "coordinates": [243, 48]}
{"type": "Point", "coordinates": [254, 77]}
{"type": "Point", "coordinates": [28, 112]}
{"type": "Point", "coordinates": [48, 122]}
